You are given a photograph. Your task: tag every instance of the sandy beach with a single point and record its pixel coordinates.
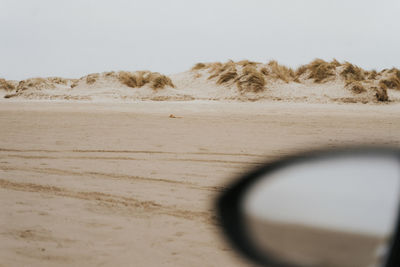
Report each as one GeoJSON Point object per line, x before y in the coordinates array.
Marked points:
{"type": "Point", "coordinates": [122, 122]}
{"type": "Point", "coordinates": [127, 184]}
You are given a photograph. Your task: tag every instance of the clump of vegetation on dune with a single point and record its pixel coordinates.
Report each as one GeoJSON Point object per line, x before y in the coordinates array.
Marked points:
{"type": "Point", "coordinates": [227, 76]}
{"type": "Point", "coordinates": [129, 79]}
{"type": "Point", "coordinates": [251, 80]}
{"type": "Point", "coordinates": [356, 87]}
{"type": "Point", "coordinates": [351, 72]}
{"type": "Point", "coordinates": [32, 83]}
{"type": "Point", "coordinates": [252, 76]}
{"type": "Point", "coordinates": [199, 66]}
{"type": "Point", "coordinates": [57, 80]}
{"type": "Point", "coordinates": [353, 77]}
{"type": "Point", "coordinates": [74, 83]}
{"type": "Point", "coordinates": [264, 71]}
{"type": "Point", "coordinates": [246, 62]}
{"type": "Point", "coordinates": [109, 74]}
{"type": "Point", "coordinates": [140, 78]}
{"type": "Point", "coordinates": [36, 83]}
{"type": "Point", "coordinates": [361, 81]}
{"type": "Point", "coordinates": [243, 73]}
{"type": "Point", "coordinates": [372, 75]}
{"type": "Point", "coordinates": [280, 72]}
{"type": "Point", "coordinates": [392, 78]}
{"type": "Point", "coordinates": [381, 93]}
{"type": "Point", "coordinates": [319, 70]}
{"type": "Point", "coordinates": [395, 72]}
{"type": "Point", "coordinates": [6, 85]}
{"type": "Point", "coordinates": [231, 70]}
{"type": "Point", "coordinates": [159, 81]}
{"type": "Point", "coordinates": [392, 82]}
{"type": "Point", "coordinates": [225, 72]}
{"type": "Point", "coordinates": [300, 71]}
{"type": "Point", "coordinates": [92, 78]}
{"type": "Point", "coordinates": [217, 69]}
{"type": "Point", "coordinates": [335, 63]}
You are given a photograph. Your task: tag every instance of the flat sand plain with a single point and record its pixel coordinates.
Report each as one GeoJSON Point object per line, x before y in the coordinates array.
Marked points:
{"type": "Point", "coordinates": [124, 184]}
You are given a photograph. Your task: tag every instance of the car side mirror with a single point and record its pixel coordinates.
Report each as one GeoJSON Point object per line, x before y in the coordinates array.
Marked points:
{"type": "Point", "coordinates": [328, 208]}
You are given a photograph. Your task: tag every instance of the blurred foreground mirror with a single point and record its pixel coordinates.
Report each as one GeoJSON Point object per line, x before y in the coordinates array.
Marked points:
{"type": "Point", "coordinates": [331, 210]}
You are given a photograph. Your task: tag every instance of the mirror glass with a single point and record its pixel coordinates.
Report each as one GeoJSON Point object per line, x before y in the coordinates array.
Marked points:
{"type": "Point", "coordinates": [339, 211]}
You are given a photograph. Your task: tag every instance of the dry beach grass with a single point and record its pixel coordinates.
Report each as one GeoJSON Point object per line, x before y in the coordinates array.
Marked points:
{"type": "Point", "coordinates": [316, 82]}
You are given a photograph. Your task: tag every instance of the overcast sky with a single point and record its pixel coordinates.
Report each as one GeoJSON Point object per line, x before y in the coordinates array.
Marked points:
{"type": "Point", "coordinates": [76, 37]}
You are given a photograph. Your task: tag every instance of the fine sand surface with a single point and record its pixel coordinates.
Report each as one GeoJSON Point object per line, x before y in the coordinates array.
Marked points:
{"type": "Point", "coordinates": [100, 184]}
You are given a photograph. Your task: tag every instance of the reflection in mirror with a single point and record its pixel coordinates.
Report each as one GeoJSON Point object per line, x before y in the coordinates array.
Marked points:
{"type": "Point", "coordinates": [338, 211]}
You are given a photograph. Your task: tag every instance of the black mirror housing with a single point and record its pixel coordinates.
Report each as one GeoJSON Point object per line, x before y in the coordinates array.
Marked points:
{"type": "Point", "coordinates": [233, 223]}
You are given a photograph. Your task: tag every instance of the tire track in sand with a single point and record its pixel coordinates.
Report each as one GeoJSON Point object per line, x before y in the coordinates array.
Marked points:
{"type": "Point", "coordinates": [130, 152]}
{"type": "Point", "coordinates": [104, 198]}
{"type": "Point", "coordinates": [87, 174]}
{"type": "Point", "coordinates": [130, 158]}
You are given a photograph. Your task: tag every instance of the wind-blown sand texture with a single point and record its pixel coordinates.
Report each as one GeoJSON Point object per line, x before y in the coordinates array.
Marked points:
{"type": "Point", "coordinates": [127, 184]}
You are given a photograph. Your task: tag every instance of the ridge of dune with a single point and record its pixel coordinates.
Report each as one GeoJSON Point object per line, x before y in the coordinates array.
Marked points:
{"type": "Point", "coordinates": [316, 82]}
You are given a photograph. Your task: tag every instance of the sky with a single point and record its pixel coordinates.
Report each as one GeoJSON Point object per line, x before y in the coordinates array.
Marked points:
{"type": "Point", "coordinates": [77, 37]}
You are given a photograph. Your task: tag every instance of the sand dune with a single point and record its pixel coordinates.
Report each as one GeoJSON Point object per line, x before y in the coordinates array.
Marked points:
{"type": "Point", "coordinates": [316, 82]}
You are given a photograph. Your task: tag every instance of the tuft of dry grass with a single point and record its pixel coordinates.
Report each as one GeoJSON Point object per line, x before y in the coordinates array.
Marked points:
{"type": "Point", "coordinates": [128, 79]}
{"type": "Point", "coordinates": [199, 66]}
{"type": "Point", "coordinates": [246, 62]}
{"type": "Point", "coordinates": [335, 63]}
{"type": "Point", "coordinates": [264, 71]}
{"type": "Point", "coordinates": [356, 87]}
{"type": "Point", "coordinates": [6, 85]}
{"type": "Point", "coordinates": [159, 81]}
{"type": "Point", "coordinates": [57, 80]}
{"type": "Point", "coordinates": [10, 95]}
{"type": "Point", "coordinates": [110, 74]}
{"type": "Point", "coordinates": [301, 70]}
{"type": "Point", "coordinates": [281, 72]}
{"type": "Point", "coordinates": [141, 78]}
{"type": "Point", "coordinates": [74, 83]}
{"type": "Point", "coordinates": [320, 70]}
{"type": "Point", "coordinates": [372, 75]}
{"type": "Point", "coordinates": [391, 78]}
{"type": "Point", "coordinates": [91, 78]}
{"type": "Point", "coordinates": [352, 72]}
{"type": "Point", "coordinates": [218, 68]}
{"type": "Point", "coordinates": [225, 72]}
{"type": "Point", "coordinates": [391, 82]}
{"type": "Point", "coordinates": [251, 80]}
{"type": "Point", "coordinates": [395, 71]}
{"type": "Point", "coordinates": [227, 76]}
{"type": "Point", "coordinates": [381, 93]}
{"type": "Point", "coordinates": [37, 83]}
{"type": "Point", "coordinates": [214, 67]}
